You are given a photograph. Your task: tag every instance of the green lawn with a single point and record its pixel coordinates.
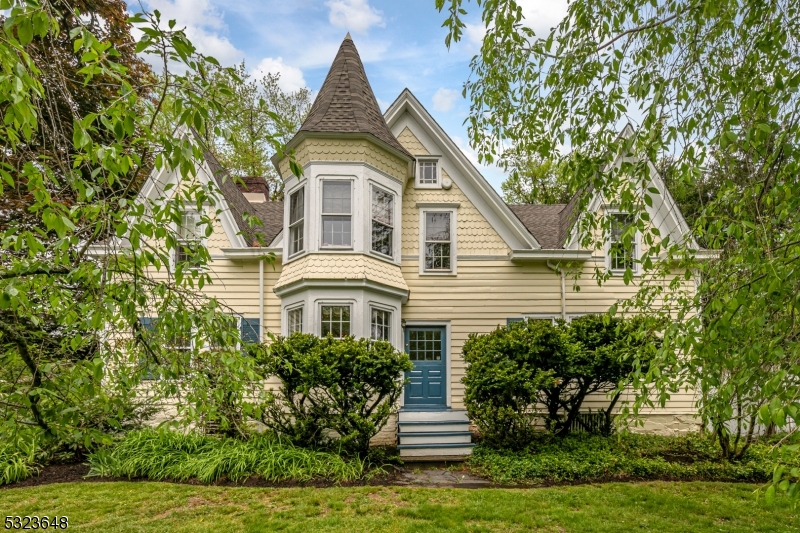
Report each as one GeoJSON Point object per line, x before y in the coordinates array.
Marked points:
{"type": "Point", "coordinates": [657, 506]}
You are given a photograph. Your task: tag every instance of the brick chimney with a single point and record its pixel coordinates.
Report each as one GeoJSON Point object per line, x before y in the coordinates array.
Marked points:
{"type": "Point", "coordinates": [254, 188]}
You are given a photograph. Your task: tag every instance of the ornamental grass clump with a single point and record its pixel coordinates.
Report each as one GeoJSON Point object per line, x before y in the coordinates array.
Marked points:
{"type": "Point", "coordinates": [16, 464]}
{"type": "Point", "coordinates": [170, 455]}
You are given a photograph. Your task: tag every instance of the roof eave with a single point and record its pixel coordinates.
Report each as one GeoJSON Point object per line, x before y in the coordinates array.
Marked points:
{"type": "Point", "coordinates": [551, 255]}
{"type": "Point", "coordinates": [302, 135]}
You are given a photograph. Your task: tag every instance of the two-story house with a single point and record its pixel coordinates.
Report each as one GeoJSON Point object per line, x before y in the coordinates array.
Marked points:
{"type": "Point", "coordinates": [391, 233]}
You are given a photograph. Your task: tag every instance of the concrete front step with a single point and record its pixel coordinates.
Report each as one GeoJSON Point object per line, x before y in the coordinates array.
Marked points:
{"type": "Point", "coordinates": [431, 427]}
{"type": "Point", "coordinates": [433, 437]}
{"type": "Point", "coordinates": [435, 450]}
{"type": "Point", "coordinates": [450, 415]}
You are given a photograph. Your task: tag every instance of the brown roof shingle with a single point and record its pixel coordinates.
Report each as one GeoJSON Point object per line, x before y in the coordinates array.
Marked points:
{"type": "Point", "coordinates": [345, 102]}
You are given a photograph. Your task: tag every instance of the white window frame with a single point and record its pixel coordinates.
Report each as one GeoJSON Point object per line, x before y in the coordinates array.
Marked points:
{"type": "Point", "coordinates": [552, 317]}
{"type": "Point", "coordinates": [393, 226]}
{"type": "Point", "coordinates": [291, 225]}
{"type": "Point", "coordinates": [390, 324]}
{"type": "Point", "coordinates": [202, 240]}
{"type": "Point", "coordinates": [323, 214]}
{"type": "Point", "coordinates": [418, 178]}
{"type": "Point", "coordinates": [635, 252]}
{"type": "Point", "coordinates": [453, 241]}
{"type": "Point", "coordinates": [289, 311]}
{"type": "Point", "coordinates": [350, 305]}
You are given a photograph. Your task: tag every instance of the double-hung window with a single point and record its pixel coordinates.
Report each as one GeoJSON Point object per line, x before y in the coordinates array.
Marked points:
{"type": "Point", "coordinates": [189, 237]}
{"type": "Point", "coordinates": [621, 256]}
{"type": "Point", "coordinates": [294, 318]}
{"type": "Point", "coordinates": [296, 218]}
{"type": "Point", "coordinates": [438, 241]}
{"type": "Point", "coordinates": [382, 221]}
{"type": "Point", "coordinates": [335, 320]}
{"type": "Point", "coordinates": [381, 325]}
{"type": "Point", "coordinates": [337, 214]}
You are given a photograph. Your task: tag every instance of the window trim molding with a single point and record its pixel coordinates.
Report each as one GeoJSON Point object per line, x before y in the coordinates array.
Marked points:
{"type": "Point", "coordinates": [542, 316]}
{"type": "Point", "coordinates": [379, 307]}
{"type": "Point", "coordinates": [418, 172]}
{"type": "Point", "coordinates": [637, 240]}
{"type": "Point", "coordinates": [289, 253]}
{"type": "Point", "coordinates": [295, 307]}
{"type": "Point", "coordinates": [322, 214]}
{"type": "Point", "coordinates": [203, 240]}
{"type": "Point", "coordinates": [453, 241]}
{"type": "Point", "coordinates": [352, 304]}
{"type": "Point", "coordinates": [372, 187]}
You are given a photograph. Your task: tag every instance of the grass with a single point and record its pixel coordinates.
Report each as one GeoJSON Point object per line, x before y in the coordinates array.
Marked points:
{"type": "Point", "coordinates": [655, 506]}
{"type": "Point", "coordinates": [584, 457]}
{"type": "Point", "coordinates": [163, 454]}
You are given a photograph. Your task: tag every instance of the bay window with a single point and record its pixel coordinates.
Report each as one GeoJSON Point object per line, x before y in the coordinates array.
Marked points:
{"type": "Point", "coordinates": [382, 221]}
{"type": "Point", "coordinates": [337, 214]}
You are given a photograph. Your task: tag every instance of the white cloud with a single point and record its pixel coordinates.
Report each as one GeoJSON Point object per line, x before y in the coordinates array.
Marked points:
{"type": "Point", "coordinates": [542, 16]}
{"type": "Point", "coordinates": [291, 78]}
{"type": "Point", "coordinates": [204, 26]}
{"type": "Point", "coordinates": [354, 15]}
{"type": "Point", "coordinates": [475, 33]}
{"type": "Point", "coordinates": [493, 174]}
{"type": "Point", "coordinates": [444, 99]}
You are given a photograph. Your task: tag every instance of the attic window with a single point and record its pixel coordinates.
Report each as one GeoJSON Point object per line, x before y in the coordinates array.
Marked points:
{"type": "Point", "coordinates": [621, 256]}
{"type": "Point", "coordinates": [189, 239]}
{"type": "Point", "coordinates": [428, 173]}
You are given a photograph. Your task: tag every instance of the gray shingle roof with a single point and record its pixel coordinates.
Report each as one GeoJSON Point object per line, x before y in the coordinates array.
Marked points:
{"type": "Point", "coordinates": [543, 221]}
{"type": "Point", "coordinates": [270, 213]}
{"type": "Point", "coordinates": [346, 103]}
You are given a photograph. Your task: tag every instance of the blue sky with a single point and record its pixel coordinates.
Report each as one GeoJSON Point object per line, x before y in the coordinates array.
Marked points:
{"type": "Point", "coordinates": [400, 42]}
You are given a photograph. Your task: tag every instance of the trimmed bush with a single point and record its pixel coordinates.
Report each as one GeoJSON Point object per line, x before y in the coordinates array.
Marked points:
{"type": "Point", "coordinates": [514, 370]}
{"type": "Point", "coordinates": [584, 457]}
{"type": "Point", "coordinates": [335, 393]}
{"type": "Point", "coordinates": [169, 455]}
{"type": "Point", "coordinates": [505, 373]}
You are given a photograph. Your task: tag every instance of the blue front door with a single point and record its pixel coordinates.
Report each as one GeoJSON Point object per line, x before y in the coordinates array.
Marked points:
{"type": "Point", "coordinates": [427, 348]}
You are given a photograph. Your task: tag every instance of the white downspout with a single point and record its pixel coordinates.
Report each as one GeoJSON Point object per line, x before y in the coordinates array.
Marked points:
{"type": "Point", "coordinates": [261, 300]}
{"type": "Point", "coordinates": [554, 268]}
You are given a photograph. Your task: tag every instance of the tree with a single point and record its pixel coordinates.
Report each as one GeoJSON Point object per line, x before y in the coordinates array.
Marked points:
{"type": "Point", "coordinates": [702, 82]}
{"type": "Point", "coordinates": [534, 181]}
{"type": "Point", "coordinates": [80, 169]}
{"type": "Point", "coordinates": [257, 113]}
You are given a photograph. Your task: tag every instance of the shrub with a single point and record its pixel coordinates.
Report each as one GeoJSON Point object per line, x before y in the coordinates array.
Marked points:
{"type": "Point", "coordinates": [332, 387]}
{"type": "Point", "coordinates": [584, 457]}
{"type": "Point", "coordinates": [505, 373]}
{"type": "Point", "coordinates": [606, 350]}
{"type": "Point", "coordinates": [165, 454]}
{"type": "Point", "coordinates": [512, 370]}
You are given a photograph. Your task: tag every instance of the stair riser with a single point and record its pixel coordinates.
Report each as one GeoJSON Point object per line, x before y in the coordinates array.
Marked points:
{"type": "Point", "coordinates": [431, 428]}
{"type": "Point", "coordinates": [448, 439]}
{"type": "Point", "coordinates": [433, 416]}
{"type": "Point", "coordinates": [432, 452]}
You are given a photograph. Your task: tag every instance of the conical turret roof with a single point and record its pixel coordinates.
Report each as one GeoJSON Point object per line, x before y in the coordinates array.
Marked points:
{"type": "Point", "coordinates": [346, 103]}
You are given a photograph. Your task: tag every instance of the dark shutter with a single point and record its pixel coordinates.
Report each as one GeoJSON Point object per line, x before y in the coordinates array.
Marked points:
{"type": "Point", "coordinates": [249, 329]}
{"type": "Point", "coordinates": [148, 324]}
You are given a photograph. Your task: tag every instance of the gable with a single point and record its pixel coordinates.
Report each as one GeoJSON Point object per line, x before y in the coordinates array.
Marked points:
{"type": "Point", "coordinates": [664, 213]}
{"type": "Point", "coordinates": [406, 113]}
